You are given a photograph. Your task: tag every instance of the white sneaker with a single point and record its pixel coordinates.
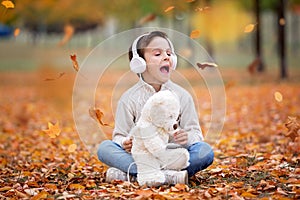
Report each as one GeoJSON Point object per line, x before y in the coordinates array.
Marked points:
{"type": "Point", "coordinates": [115, 174]}
{"type": "Point", "coordinates": [173, 177]}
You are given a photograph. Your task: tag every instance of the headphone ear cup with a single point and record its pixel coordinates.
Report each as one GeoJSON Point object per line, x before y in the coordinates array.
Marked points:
{"type": "Point", "coordinates": [137, 65]}
{"type": "Point", "coordinates": [174, 61]}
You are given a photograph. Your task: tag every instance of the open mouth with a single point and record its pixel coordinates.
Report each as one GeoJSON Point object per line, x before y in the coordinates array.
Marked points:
{"type": "Point", "coordinates": [165, 69]}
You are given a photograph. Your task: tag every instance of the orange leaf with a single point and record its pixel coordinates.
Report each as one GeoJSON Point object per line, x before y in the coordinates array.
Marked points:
{"type": "Point", "coordinates": [8, 4]}
{"type": "Point", "coordinates": [74, 62]}
{"type": "Point", "coordinates": [76, 186]}
{"type": "Point", "coordinates": [58, 77]}
{"type": "Point", "coordinates": [16, 32]}
{"type": "Point", "coordinates": [53, 130]}
{"type": "Point", "coordinates": [41, 195]}
{"type": "Point", "coordinates": [252, 67]}
{"type": "Point", "coordinates": [293, 128]}
{"type": "Point", "coordinates": [249, 28]}
{"type": "Point", "coordinates": [206, 64]}
{"type": "Point", "coordinates": [195, 34]}
{"type": "Point", "coordinates": [169, 8]}
{"type": "Point", "coordinates": [248, 195]}
{"type": "Point", "coordinates": [97, 115]}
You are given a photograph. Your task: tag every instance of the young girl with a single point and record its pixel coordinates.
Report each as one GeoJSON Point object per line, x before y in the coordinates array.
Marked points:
{"type": "Point", "coordinates": [153, 59]}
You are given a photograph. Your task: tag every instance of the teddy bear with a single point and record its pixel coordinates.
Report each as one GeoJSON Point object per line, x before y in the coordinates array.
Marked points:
{"type": "Point", "coordinates": [151, 149]}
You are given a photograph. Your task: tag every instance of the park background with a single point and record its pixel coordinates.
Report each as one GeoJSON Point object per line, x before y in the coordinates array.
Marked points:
{"type": "Point", "coordinates": [255, 44]}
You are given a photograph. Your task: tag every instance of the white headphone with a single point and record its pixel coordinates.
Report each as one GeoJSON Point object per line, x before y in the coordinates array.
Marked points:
{"type": "Point", "coordinates": [138, 64]}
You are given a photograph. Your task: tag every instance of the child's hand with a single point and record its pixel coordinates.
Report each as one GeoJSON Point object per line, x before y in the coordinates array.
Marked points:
{"type": "Point", "coordinates": [127, 145]}
{"type": "Point", "coordinates": [181, 137]}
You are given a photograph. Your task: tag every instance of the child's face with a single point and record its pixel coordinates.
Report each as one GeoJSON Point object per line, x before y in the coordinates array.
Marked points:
{"type": "Point", "coordinates": [159, 64]}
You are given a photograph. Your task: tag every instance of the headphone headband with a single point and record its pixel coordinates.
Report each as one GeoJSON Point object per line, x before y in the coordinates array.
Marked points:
{"type": "Point", "coordinates": [138, 64]}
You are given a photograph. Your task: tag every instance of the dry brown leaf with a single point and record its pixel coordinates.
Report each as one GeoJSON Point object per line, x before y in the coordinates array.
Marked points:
{"type": "Point", "coordinates": [206, 64]}
{"type": "Point", "coordinates": [253, 66]}
{"type": "Point", "coordinates": [293, 128]}
{"type": "Point", "coordinates": [97, 115]}
{"type": "Point", "coordinates": [195, 34]}
{"type": "Point", "coordinates": [74, 62]}
{"type": "Point", "coordinates": [53, 130]}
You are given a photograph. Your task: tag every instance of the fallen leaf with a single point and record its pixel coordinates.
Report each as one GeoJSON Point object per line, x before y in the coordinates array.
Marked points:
{"type": "Point", "coordinates": [249, 28]}
{"type": "Point", "coordinates": [72, 148]}
{"type": "Point", "coordinates": [278, 96]}
{"type": "Point", "coordinates": [293, 128]}
{"type": "Point", "coordinates": [74, 62]}
{"type": "Point", "coordinates": [195, 34]}
{"type": "Point", "coordinates": [53, 130]}
{"type": "Point", "coordinates": [169, 8]}
{"type": "Point", "coordinates": [8, 4]}
{"type": "Point", "coordinates": [206, 64]}
{"type": "Point", "coordinates": [97, 115]}
{"type": "Point", "coordinates": [41, 195]}
{"type": "Point", "coordinates": [76, 186]}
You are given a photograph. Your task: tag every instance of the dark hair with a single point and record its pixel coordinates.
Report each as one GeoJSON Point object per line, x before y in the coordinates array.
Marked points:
{"type": "Point", "coordinates": [144, 41]}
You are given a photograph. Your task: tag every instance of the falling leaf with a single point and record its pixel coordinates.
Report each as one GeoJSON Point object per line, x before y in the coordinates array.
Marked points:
{"type": "Point", "coordinates": [278, 96]}
{"type": "Point", "coordinates": [72, 148]}
{"type": "Point", "coordinates": [169, 8]}
{"type": "Point", "coordinates": [53, 130]}
{"type": "Point", "coordinates": [282, 21]}
{"type": "Point", "coordinates": [58, 77]}
{"type": "Point", "coordinates": [68, 33]}
{"type": "Point", "coordinates": [148, 18]}
{"type": "Point", "coordinates": [190, 1]}
{"type": "Point", "coordinates": [8, 4]}
{"type": "Point", "coordinates": [206, 64]}
{"type": "Point", "coordinates": [293, 128]}
{"type": "Point", "coordinates": [195, 34]}
{"type": "Point", "coordinates": [253, 66]}
{"type": "Point", "coordinates": [17, 32]}
{"type": "Point", "coordinates": [74, 62]}
{"type": "Point", "coordinates": [97, 115]}
{"type": "Point", "coordinates": [249, 28]}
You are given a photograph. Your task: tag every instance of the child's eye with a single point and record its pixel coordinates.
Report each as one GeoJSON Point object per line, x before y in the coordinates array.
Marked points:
{"type": "Point", "coordinates": [157, 54]}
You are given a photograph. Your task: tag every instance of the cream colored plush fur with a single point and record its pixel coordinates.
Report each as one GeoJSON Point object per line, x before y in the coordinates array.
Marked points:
{"type": "Point", "coordinates": [151, 136]}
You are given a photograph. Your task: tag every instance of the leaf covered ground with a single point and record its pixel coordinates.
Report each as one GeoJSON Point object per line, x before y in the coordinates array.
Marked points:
{"type": "Point", "coordinates": [42, 157]}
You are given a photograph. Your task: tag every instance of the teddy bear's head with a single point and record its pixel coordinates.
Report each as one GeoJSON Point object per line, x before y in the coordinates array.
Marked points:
{"type": "Point", "coordinates": [162, 110]}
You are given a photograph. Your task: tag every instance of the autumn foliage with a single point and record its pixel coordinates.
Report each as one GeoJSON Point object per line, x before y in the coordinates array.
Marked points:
{"type": "Point", "coordinates": [42, 157]}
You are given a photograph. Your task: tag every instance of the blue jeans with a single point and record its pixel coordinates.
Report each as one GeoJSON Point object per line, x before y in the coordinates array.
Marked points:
{"type": "Point", "coordinates": [113, 155]}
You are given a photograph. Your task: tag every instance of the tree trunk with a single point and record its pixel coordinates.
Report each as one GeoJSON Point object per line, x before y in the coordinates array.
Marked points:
{"type": "Point", "coordinates": [281, 38]}
{"type": "Point", "coordinates": [259, 56]}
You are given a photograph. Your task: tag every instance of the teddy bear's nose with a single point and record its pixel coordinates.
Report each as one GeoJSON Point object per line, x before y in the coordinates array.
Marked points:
{"type": "Point", "coordinates": [175, 126]}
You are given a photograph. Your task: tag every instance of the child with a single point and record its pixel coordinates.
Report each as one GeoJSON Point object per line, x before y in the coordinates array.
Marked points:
{"type": "Point", "coordinates": [153, 59]}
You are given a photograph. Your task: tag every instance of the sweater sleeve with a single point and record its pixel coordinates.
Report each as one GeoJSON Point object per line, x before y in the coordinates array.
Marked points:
{"type": "Point", "coordinates": [189, 120]}
{"type": "Point", "coordinates": [124, 121]}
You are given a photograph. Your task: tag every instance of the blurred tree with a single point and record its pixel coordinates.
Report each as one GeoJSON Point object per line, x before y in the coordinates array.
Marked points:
{"type": "Point", "coordinates": [259, 55]}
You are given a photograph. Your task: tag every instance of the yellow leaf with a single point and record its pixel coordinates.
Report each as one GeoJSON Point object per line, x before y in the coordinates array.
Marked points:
{"type": "Point", "coordinates": [195, 34]}
{"type": "Point", "coordinates": [53, 130]}
{"type": "Point", "coordinates": [72, 148]}
{"type": "Point", "coordinates": [249, 28]}
{"type": "Point", "coordinates": [278, 96]}
{"type": "Point", "coordinates": [8, 4]}
{"type": "Point", "coordinates": [169, 8]}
